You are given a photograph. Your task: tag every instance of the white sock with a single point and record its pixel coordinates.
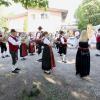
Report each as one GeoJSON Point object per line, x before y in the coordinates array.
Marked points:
{"type": "Point", "coordinates": [64, 58]}
{"type": "Point", "coordinates": [2, 54]}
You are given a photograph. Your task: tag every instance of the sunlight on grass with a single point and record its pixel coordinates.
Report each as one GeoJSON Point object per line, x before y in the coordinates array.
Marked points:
{"type": "Point", "coordinates": [78, 95]}
{"type": "Point", "coordinates": [71, 61]}
{"type": "Point", "coordinates": [1, 65]}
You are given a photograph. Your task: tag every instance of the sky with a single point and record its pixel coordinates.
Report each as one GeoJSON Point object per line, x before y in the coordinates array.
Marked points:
{"type": "Point", "coordinates": [70, 5]}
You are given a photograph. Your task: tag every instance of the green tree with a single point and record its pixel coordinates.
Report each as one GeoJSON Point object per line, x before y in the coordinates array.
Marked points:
{"type": "Point", "coordinates": [88, 13]}
{"type": "Point", "coordinates": [4, 2]}
{"type": "Point", "coordinates": [33, 3]}
{"type": "Point", "coordinates": [28, 3]}
{"type": "Point", "coordinates": [3, 22]}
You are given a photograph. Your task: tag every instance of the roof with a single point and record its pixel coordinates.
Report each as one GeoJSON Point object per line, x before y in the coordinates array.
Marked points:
{"type": "Point", "coordinates": [26, 13]}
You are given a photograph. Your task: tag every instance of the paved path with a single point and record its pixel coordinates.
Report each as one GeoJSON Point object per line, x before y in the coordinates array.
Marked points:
{"type": "Point", "coordinates": [32, 84]}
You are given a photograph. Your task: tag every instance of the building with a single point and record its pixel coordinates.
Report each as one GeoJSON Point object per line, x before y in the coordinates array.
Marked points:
{"type": "Point", "coordinates": [29, 20]}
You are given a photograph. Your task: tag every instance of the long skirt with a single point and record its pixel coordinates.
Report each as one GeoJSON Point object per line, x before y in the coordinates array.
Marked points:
{"type": "Point", "coordinates": [83, 62]}
{"type": "Point", "coordinates": [23, 50]}
{"type": "Point", "coordinates": [31, 48]}
{"type": "Point", "coordinates": [48, 61]}
{"type": "Point", "coordinates": [98, 45]}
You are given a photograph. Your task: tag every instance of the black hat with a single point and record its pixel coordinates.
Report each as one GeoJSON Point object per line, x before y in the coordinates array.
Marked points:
{"type": "Point", "coordinates": [61, 32]}
{"type": "Point", "coordinates": [39, 27]}
{"type": "Point", "coordinates": [13, 30]}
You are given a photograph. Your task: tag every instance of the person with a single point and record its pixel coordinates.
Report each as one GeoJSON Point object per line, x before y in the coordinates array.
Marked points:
{"type": "Point", "coordinates": [23, 48]}
{"type": "Point", "coordinates": [13, 49]}
{"type": "Point", "coordinates": [31, 44]}
{"type": "Point", "coordinates": [98, 43]}
{"type": "Point", "coordinates": [38, 41]}
{"type": "Point", "coordinates": [48, 61]}
{"type": "Point", "coordinates": [83, 56]}
{"type": "Point", "coordinates": [63, 46]}
{"type": "Point", "coordinates": [3, 39]}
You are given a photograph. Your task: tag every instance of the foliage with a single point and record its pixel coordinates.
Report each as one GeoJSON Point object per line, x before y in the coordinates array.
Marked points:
{"type": "Point", "coordinates": [33, 3]}
{"type": "Point", "coordinates": [4, 2]}
{"type": "Point", "coordinates": [3, 22]}
{"type": "Point", "coordinates": [88, 13]}
{"type": "Point", "coordinates": [28, 3]}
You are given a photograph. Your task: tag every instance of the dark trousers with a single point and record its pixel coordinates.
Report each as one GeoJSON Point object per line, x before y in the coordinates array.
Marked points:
{"type": "Point", "coordinates": [3, 47]}
{"type": "Point", "coordinates": [14, 56]}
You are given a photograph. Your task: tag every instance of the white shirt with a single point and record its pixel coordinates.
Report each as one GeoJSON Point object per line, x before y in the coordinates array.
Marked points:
{"type": "Point", "coordinates": [62, 40]}
{"type": "Point", "coordinates": [12, 41]}
{"type": "Point", "coordinates": [46, 41]}
{"type": "Point", "coordinates": [38, 34]}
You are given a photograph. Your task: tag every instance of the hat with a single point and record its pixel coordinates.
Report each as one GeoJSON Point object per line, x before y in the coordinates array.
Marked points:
{"type": "Point", "coordinates": [39, 27]}
{"type": "Point", "coordinates": [13, 30]}
{"type": "Point", "coordinates": [61, 32]}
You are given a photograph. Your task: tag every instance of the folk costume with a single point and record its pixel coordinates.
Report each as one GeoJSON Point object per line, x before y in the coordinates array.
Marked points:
{"type": "Point", "coordinates": [38, 40]}
{"type": "Point", "coordinates": [48, 61]}
{"type": "Point", "coordinates": [13, 49]}
{"type": "Point", "coordinates": [3, 41]}
{"type": "Point", "coordinates": [98, 43]}
{"type": "Point", "coordinates": [31, 45]}
{"type": "Point", "coordinates": [23, 49]}
{"type": "Point", "coordinates": [83, 59]}
{"type": "Point", "coordinates": [63, 47]}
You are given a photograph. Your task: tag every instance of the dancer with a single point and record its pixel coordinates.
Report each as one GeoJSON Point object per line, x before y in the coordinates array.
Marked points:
{"type": "Point", "coordinates": [48, 61]}
{"type": "Point", "coordinates": [23, 48]}
{"type": "Point", "coordinates": [83, 56]}
{"type": "Point", "coordinates": [63, 46]}
{"type": "Point", "coordinates": [13, 49]}
{"type": "Point", "coordinates": [98, 43]}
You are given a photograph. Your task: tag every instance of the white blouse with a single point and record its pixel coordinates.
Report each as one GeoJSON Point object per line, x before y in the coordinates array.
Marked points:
{"type": "Point", "coordinates": [46, 41]}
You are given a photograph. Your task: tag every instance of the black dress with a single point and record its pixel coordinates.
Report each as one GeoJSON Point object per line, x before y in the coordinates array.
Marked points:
{"type": "Point", "coordinates": [46, 58]}
{"type": "Point", "coordinates": [83, 59]}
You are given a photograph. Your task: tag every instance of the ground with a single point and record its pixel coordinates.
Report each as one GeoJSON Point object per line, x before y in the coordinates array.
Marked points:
{"type": "Point", "coordinates": [32, 84]}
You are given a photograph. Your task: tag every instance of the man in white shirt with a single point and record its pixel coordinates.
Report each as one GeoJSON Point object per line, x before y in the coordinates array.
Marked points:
{"type": "Point", "coordinates": [13, 49]}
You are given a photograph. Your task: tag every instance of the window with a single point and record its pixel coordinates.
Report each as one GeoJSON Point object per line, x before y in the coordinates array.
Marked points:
{"type": "Point", "coordinates": [44, 16]}
{"type": "Point", "coordinates": [33, 15]}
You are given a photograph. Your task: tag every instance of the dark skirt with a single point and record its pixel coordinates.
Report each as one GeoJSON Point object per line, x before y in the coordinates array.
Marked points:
{"type": "Point", "coordinates": [23, 50]}
{"type": "Point", "coordinates": [47, 58]}
{"type": "Point", "coordinates": [83, 62]}
{"type": "Point", "coordinates": [31, 48]}
{"type": "Point", "coordinates": [98, 45]}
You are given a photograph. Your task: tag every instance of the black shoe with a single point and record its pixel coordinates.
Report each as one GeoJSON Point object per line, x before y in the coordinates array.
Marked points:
{"type": "Point", "coordinates": [32, 54]}
{"type": "Point", "coordinates": [40, 60]}
{"type": "Point", "coordinates": [23, 59]}
{"type": "Point", "coordinates": [7, 56]}
{"type": "Point", "coordinates": [97, 55]}
{"type": "Point", "coordinates": [64, 61]}
{"type": "Point", "coordinates": [15, 71]}
{"type": "Point", "coordinates": [3, 56]}
{"type": "Point", "coordinates": [47, 72]}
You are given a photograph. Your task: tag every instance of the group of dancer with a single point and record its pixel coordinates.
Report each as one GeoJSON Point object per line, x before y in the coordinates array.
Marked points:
{"type": "Point", "coordinates": [29, 44]}
{"type": "Point", "coordinates": [41, 44]}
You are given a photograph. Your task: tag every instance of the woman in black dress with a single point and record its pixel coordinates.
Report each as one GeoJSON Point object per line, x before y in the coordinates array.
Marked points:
{"type": "Point", "coordinates": [48, 61]}
{"type": "Point", "coordinates": [83, 56]}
